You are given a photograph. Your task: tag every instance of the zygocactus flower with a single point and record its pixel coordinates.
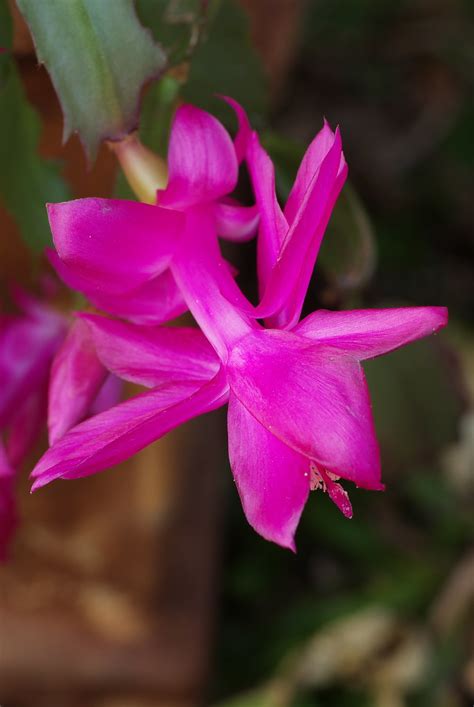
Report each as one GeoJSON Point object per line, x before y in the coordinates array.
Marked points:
{"type": "Point", "coordinates": [299, 410]}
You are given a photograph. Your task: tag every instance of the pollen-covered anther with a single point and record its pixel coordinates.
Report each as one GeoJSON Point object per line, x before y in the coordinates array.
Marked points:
{"type": "Point", "coordinates": [317, 477]}
{"type": "Point", "coordinates": [316, 481]}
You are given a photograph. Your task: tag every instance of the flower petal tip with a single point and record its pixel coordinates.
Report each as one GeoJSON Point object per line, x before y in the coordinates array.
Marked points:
{"type": "Point", "coordinates": [37, 484]}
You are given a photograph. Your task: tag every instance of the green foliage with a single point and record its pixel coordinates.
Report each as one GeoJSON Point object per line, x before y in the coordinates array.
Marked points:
{"type": "Point", "coordinates": [6, 26]}
{"type": "Point", "coordinates": [27, 181]}
{"type": "Point", "coordinates": [177, 25]}
{"type": "Point", "coordinates": [99, 57]}
{"type": "Point", "coordinates": [416, 402]}
{"type": "Point", "coordinates": [202, 32]}
{"type": "Point", "coordinates": [226, 63]}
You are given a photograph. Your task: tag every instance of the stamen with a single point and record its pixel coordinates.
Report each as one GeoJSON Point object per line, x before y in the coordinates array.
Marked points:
{"type": "Point", "coordinates": [321, 478]}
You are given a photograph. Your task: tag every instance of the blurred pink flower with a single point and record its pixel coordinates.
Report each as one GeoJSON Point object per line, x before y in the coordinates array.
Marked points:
{"type": "Point", "coordinates": [34, 347]}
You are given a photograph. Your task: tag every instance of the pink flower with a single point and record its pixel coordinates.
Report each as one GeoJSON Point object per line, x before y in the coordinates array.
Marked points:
{"type": "Point", "coordinates": [37, 352]}
{"type": "Point", "coordinates": [118, 253]}
{"type": "Point", "coordinates": [8, 513]}
{"type": "Point", "coordinates": [299, 410]}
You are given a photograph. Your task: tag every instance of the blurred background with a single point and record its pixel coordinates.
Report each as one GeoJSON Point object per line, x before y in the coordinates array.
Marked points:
{"type": "Point", "coordinates": [144, 585]}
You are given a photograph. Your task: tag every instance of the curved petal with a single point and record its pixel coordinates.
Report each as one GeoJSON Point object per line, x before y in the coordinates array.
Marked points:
{"type": "Point", "coordinates": [77, 375]}
{"type": "Point", "coordinates": [26, 426]}
{"type": "Point", "coordinates": [365, 333]}
{"type": "Point", "coordinates": [311, 397]}
{"type": "Point", "coordinates": [109, 395]}
{"type": "Point", "coordinates": [201, 160]}
{"type": "Point", "coordinates": [207, 285]}
{"type": "Point", "coordinates": [235, 222]}
{"type": "Point", "coordinates": [113, 244]}
{"type": "Point", "coordinates": [304, 237]}
{"type": "Point", "coordinates": [27, 347]}
{"type": "Point", "coordinates": [289, 314]}
{"type": "Point", "coordinates": [271, 478]}
{"type": "Point", "coordinates": [310, 164]}
{"type": "Point", "coordinates": [273, 224]}
{"type": "Point", "coordinates": [152, 356]}
{"type": "Point", "coordinates": [156, 301]}
{"type": "Point", "coordinates": [117, 434]}
{"type": "Point", "coordinates": [244, 129]}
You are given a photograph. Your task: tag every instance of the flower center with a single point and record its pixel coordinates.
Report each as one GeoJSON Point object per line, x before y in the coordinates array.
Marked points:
{"type": "Point", "coordinates": [321, 478]}
{"type": "Point", "coordinates": [318, 478]}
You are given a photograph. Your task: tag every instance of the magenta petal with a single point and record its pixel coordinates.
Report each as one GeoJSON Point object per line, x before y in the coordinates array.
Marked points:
{"type": "Point", "coordinates": [115, 245]}
{"type": "Point", "coordinates": [156, 301]}
{"type": "Point", "coordinates": [109, 395]}
{"type": "Point", "coordinates": [312, 398]}
{"type": "Point", "coordinates": [310, 165]}
{"type": "Point", "coordinates": [117, 434]}
{"type": "Point", "coordinates": [207, 284]}
{"type": "Point", "coordinates": [272, 479]}
{"type": "Point", "coordinates": [365, 333]}
{"type": "Point", "coordinates": [235, 222]}
{"type": "Point", "coordinates": [27, 346]}
{"type": "Point", "coordinates": [152, 356]}
{"type": "Point", "coordinates": [76, 377]}
{"type": "Point", "coordinates": [6, 468]}
{"type": "Point", "coordinates": [201, 160]}
{"type": "Point", "coordinates": [289, 315]}
{"type": "Point", "coordinates": [26, 426]}
{"type": "Point", "coordinates": [273, 225]}
{"type": "Point", "coordinates": [244, 131]}
{"type": "Point", "coordinates": [305, 235]}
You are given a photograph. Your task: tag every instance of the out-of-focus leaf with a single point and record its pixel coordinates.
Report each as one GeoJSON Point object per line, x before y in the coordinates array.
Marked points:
{"type": "Point", "coordinates": [348, 250]}
{"type": "Point", "coordinates": [416, 402]}
{"type": "Point", "coordinates": [6, 26]}
{"type": "Point", "coordinates": [255, 698]}
{"type": "Point", "coordinates": [226, 63]}
{"type": "Point", "coordinates": [99, 57]}
{"type": "Point", "coordinates": [27, 181]}
{"type": "Point", "coordinates": [344, 647]}
{"type": "Point", "coordinates": [177, 25]}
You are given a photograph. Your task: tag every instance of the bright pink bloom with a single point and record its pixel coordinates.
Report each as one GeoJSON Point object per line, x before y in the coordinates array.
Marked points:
{"type": "Point", "coordinates": [76, 381]}
{"type": "Point", "coordinates": [118, 252]}
{"type": "Point", "coordinates": [299, 409]}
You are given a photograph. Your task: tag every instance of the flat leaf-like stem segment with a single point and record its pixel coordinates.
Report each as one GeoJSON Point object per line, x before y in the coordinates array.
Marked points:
{"type": "Point", "coordinates": [99, 57]}
{"type": "Point", "coordinates": [26, 179]}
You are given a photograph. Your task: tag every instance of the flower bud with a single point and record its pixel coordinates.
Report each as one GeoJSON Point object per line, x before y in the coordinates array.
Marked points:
{"type": "Point", "coordinates": [145, 171]}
